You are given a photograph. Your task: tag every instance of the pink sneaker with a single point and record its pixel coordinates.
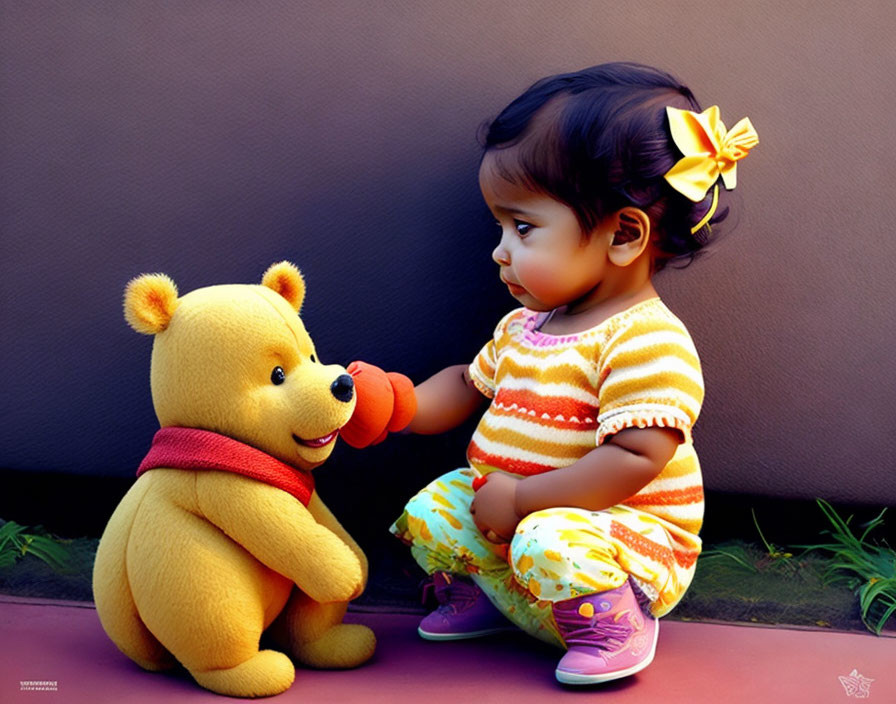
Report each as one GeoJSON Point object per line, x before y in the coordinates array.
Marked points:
{"type": "Point", "coordinates": [463, 611]}
{"type": "Point", "coordinates": [607, 634]}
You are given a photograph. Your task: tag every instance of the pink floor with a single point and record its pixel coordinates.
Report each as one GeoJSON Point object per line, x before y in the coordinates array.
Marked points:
{"type": "Point", "coordinates": [62, 643]}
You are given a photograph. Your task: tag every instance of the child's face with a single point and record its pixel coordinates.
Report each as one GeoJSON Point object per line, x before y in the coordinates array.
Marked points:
{"type": "Point", "coordinates": [545, 261]}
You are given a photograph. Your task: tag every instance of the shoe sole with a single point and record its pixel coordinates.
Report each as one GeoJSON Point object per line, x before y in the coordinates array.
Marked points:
{"type": "Point", "coordinates": [427, 635]}
{"type": "Point", "coordinates": [581, 678]}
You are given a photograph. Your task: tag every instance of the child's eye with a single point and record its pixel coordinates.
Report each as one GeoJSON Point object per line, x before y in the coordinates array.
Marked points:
{"type": "Point", "coordinates": [522, 228]}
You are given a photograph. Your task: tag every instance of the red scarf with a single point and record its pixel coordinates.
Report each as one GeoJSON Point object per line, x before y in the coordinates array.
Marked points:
{"type": "Point", "coordinates": [189, 448]}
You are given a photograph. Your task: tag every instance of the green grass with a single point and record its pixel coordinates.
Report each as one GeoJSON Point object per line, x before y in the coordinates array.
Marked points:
{"type": "Point", "coordinates": [16, 542]}
{"type": "Point", "coordinates": [739, 581]}
{"type": "Point", "coordinates": [866, 568]}
{"type": "Point", "coordinates": [847, 582]}
{"type": "Point", "coordinates": [36, 564]}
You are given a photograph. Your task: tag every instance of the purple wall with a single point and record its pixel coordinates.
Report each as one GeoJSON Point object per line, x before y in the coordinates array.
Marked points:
{"type": "Point", "coordinates": [207, 140]}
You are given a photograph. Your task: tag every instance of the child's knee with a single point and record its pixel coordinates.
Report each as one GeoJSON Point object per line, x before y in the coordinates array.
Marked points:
{"type": "Point", "coordinates": [555, 527]}
{"type": "Point", "coordinates": [565, 530]}
{"type": "Point", "coordinates": [559, 553]}
{"type": "Point", "coordinates": [440, 511]}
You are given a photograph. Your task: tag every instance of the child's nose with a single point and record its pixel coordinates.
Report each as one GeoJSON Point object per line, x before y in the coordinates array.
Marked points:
{"type": "Point", "coordinates": [500, 254]}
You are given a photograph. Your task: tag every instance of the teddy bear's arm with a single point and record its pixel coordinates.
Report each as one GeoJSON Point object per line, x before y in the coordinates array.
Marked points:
{"type": "Point", "coordinates": [281, 533]}
{"type": "Point", "coordinates": [325, 517]}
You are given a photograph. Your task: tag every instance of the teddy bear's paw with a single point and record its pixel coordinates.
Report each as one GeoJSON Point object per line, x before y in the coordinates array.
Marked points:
{"type": "Point", "coordinates": [343, 646]}
{"type": "Point", "coordinates": [263, 675]}
{"type": "Point", "coordinates": [343, 580]}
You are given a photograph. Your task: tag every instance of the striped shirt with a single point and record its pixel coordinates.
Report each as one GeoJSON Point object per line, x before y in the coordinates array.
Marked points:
{"type": "Point", "coordinates": [557, 397]}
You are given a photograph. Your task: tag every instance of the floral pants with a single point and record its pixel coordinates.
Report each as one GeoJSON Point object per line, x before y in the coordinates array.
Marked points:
{"type": "Point", "coordinates": [556, 554]}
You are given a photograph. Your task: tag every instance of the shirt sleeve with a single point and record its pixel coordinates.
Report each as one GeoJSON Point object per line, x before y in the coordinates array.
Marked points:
{"type": "Point", "coordinates": [483, 370]}
{"type": "Point", "coordinates": [651, 377]}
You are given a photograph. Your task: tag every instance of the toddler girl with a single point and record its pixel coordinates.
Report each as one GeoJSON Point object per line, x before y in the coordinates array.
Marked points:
{"type": "Point", "coordinates": [577, 518]}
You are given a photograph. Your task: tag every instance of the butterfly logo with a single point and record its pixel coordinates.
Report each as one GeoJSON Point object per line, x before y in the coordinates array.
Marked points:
{"type": "Point", "coordinates": [856, 685]}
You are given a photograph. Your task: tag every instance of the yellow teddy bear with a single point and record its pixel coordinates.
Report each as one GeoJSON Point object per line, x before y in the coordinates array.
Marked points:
{"type": "Point", "coordinates": [222, 537]}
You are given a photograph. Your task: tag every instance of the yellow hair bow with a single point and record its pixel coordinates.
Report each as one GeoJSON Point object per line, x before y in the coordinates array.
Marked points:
{"type": "Point", "coordinates": [709, 150]}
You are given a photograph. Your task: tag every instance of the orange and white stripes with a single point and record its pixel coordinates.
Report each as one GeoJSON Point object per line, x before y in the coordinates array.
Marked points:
{"type": "Point", "coordinates": [554, 399]}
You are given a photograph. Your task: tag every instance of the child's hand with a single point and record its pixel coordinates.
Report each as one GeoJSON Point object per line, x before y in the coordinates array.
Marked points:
{"type": "Point", "coordinates": [386, 404]}
{"type": "Point", "coordinates": [494, 506]}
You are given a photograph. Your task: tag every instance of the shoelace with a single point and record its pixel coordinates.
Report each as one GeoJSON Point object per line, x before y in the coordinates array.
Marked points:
{"type": "Point", "coordinates": [603, 634]}
{"type": "Point", "coordinates": [641, 598]}
{"type": "Point", "coordinates": [454, 597]}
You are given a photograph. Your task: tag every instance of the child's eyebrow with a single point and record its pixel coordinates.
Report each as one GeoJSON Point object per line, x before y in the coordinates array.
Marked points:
{"type": "Point", "coordinates": [513, 211]}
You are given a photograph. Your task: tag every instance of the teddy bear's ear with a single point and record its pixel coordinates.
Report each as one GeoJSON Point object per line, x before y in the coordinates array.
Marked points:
{"type": "Point", "coordinates": [286, 279]}
{"type": "Point", "coordinates": [149, 302]}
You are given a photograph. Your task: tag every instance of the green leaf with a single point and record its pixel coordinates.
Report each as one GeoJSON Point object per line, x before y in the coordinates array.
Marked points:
{"type": "Point", "coordinates": [15, 542]}
{"type": "Point", "coordinates": [882, 621]}
{"type": "Point", "coordinates": [730, 555]}
{"type": "Point", "coordinates": [864, 567]}
{"type": "Point", "coordinates": [10, 542]}
{"type": "Point", "coordinates": [47, 550]}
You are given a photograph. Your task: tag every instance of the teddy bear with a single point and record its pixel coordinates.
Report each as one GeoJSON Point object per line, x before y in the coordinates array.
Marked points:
{"type": "Point", "coordinates": [222, 538]}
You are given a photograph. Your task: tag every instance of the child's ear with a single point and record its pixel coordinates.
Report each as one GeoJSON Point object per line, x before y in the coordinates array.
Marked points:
{"type": "Point", "coordinates": [631, 236]}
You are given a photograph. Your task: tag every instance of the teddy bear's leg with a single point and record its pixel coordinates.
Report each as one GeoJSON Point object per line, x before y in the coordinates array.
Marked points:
{"type": "Point", "coordinates": [313, 633]}
{"type": "Point", "coordinates": [264, 674]}
{"type": "Point", "coordinates": [208, 601]}
{"type": "Point", "coordinates": [220, 632]}
{"type": "Point", "coordinates": [226, 658]}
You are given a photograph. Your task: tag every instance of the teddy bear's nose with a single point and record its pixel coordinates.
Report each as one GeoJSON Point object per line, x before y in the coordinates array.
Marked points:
{"type": "Point", "coordinates": [343, 388]}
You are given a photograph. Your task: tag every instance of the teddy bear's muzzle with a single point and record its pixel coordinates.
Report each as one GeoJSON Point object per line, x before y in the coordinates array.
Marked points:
{"type": "Point", "coordinates": [343, 388]}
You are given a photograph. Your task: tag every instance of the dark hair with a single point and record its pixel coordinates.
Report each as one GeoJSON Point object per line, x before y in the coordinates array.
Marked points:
{"type": "Point", "coordinates": [598, 140]}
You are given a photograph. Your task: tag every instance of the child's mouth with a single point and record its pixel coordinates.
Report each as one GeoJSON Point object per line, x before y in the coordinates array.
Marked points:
{"type": "Point", "coordinates": [515, 289]}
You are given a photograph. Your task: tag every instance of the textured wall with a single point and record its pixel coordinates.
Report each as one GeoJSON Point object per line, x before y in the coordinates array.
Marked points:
{"type": "Point", "coordinates": [207, 140]}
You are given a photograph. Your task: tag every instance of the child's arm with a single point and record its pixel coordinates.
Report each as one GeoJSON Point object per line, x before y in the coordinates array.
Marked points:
{"type": "Point", "coordinates": [445, 400]}
{"type": "Point", "coordinates": [606, 476]}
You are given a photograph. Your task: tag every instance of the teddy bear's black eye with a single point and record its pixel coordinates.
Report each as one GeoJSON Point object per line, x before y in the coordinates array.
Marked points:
{"type": "Point", "coordinates": [314, 359]}
{"type": "Point", "coordinates": [278, 376]}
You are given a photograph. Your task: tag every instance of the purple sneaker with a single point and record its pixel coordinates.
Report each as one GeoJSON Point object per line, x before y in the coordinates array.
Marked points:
{"type": "Point", "coordinates": [607, 634]}
{"type": "Point", "coordinates": [463, 611]}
